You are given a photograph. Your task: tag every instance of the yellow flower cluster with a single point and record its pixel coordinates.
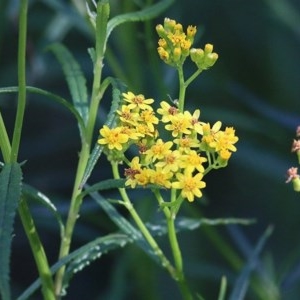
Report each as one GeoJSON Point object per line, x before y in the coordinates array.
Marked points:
{"type": "Point", "coordinates": [178, 162]}
{"type": "Point", "coordinates": [174, 46]}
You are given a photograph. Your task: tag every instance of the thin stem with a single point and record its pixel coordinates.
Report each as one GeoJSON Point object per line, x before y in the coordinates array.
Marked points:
{"type": "Point", "coordinates": [21, 81]}
{"type": "Point", "coordinates": [37, 251]}
{"type": "Point", "coordinates": [192, 77]}
{"type": "Point", "coordinates": [97, 93]}
{"type": "Point", "coordinates": [5, 143]}
{"type": "Point", "coordinates": [182, 89]}
{"type": "Point", "coordinates": [147, 235]}
{"type": "Point", "coordinates": [72, 216]}
{"type": "Point", "coordinates": [178, 258]}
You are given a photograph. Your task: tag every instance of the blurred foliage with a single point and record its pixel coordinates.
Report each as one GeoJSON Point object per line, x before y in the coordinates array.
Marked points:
{"type": "Point", "coordinates": [254, 87]}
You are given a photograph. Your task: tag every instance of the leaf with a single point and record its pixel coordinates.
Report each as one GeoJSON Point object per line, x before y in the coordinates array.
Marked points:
{"type": "Point", "coordinates": [75, 79]}
{"type": "Point", "coordinates": [30, 193]}
{"type": "Point", "coordinates": [81, 258]}
{"type": "Point", "coordinates": [123, 224]}
{"type": "Point", "coordinates": [242, 282]}
{"type": "Point", "coordinates": [117, 88]}
{"type": "Point", "coordinates": [183, 223]}
{"type": "Point", "coordinates": [141, 15]}
{"type": "Point", "coordinates": [58, 99]}
{"type": "Point", "coordinates": [10, 192]}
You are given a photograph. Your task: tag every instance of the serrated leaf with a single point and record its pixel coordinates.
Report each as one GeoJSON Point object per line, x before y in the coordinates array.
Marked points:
{"type": "Point", "coordinates": [117, 88]}
{"type": "Point", "coordinates": [141, 15]}
{"type": "Point", "coordinates": [56, 98]}
{"type": "Point", "coordinates": [242, 282]}
{"type": "Point", "coordinates": [75, 79]}
{"type": "Point", "coordinates": [183, 223]}
{"type": "Point", "coordinates": [81, 258]}
{"type": "Point", "coordinates": [10, 192]}
{"type": "Point", "coordinates": [30, 193]}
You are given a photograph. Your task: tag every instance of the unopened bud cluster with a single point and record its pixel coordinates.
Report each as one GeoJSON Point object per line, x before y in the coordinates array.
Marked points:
{"type": "Point", "coordinates": [174, 46]}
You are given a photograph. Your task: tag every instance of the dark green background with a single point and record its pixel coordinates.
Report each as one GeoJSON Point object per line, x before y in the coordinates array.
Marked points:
{"type": "Point", "coordinates": [254, 87]}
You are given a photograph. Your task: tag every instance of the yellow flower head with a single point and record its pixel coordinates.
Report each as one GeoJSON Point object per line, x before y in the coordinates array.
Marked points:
{"type": "Point", "coordinates": [113, 138]}
{"type": "Point", "coordinates": [167, 111]}
{"type": "Point", "coordinates": [159, 150]}
{"type": "Point", "coordinates": [137, 101]}
{"type": "Point", "coordinates": [189, 185]}
{"type": "Point", "coordinates": [180, 124]}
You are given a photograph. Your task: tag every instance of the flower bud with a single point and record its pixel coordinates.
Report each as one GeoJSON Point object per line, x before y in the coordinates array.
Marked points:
{"type": "Point", "coordinates": [296, 184]}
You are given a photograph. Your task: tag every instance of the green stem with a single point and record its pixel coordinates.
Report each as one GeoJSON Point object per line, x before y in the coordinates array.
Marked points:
{"type": "Point", "coordinates": [186, 294]}
{"type": "Point", "coordinates": [192, 77]}
{"type": "Point", "coordinates": [37, 251]}
{"type": "Point", "coordinates": [97, 93]}
{"type": "Point", "coordinates": [21, 81]}
{"type": "Point", "coordinates": [5, 143]}
{"type": "Point", "coordinates": [72, 216]}
{"type": "Point", "coordinates": [182, 89]}
{"type": "Point", "coordinates": [147, 235]}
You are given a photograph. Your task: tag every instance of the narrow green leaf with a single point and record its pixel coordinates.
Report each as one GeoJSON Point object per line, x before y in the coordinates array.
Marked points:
{"type": "Point", "coordinates": [242, 282]}
{"type": "Point", "coordinates": [81, 258]}
{"type": "Point", "coordinates": [123, 224]}
{"type": "Point", "coordinates": [141, 15]}
{"type": "Point", "coordinates": [117, 88]}
{"type": "Point", "coordinates": [30, 193]}
{"type": "Point", "coordinates": [10, 192]}
{"type": "Point", "coordinates": [223, 288]}
{"type": "Point", "coordinates": [75, 79]}
{"type": "Point", "coordinates": [183, 223]}
{"type": "Point", "coordinates": [56, 98]}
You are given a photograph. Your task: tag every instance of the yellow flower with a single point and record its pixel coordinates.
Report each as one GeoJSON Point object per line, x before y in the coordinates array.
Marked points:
{"type": "Point", "coordinates": [170, 162]}
{"type": "Point", "coordinates": [137, 101]}
{"type": "Point", "coordinates": [189, 185]}
{"type": "Point", "coordinates": [161, 177]}
{"type": "Point", "coordinates": [143, 178]}
{"type": "Point", "coordinates": [167, 111]}
{"type": "Point", "coordinates": [148, 117]}
{"type": "Point", "coordinates": [127, 116]}
{"type": "Point", "coordinates": [159, 150]}
{"type": "Point", "coordinates": [113, 138]}
{"type": "Point", "coordinates": [192, 161]}
{"type": "Point", "coordinates": [130, 173]}
{"type": "Point", "coordinates": [186, 143]}
{"type": "Point", "coordinates": [180, 124]}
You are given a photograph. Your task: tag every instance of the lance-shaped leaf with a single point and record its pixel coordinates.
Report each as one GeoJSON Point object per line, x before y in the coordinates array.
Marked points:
{"type": "Point", "coordinates": [75, 79]}
{"type": "Point", "coordinates": [10, 191]}
{"type": "Point", "coordinates": [49, 95]}
{"type": "Point", "coordinates": [242, 282]}
{"type": "Point", "coordinates": [30, 193]}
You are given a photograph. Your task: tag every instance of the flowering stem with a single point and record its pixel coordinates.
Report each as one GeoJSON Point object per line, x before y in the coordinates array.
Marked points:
{"type": "Point", "coordinates": [182, 89]}
{"type": "Point", "coordinates": [147, 235]}
{"type": "Point", "coordinates": [97, 93]}
{"type": "Point", "coordinates": [170, 214]}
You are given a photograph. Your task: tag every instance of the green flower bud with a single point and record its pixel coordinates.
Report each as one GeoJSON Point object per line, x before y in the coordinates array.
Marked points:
{"type": "Point", "coordinates": [296, 184]}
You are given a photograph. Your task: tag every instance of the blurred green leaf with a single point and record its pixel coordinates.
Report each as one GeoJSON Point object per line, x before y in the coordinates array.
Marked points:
{"type": "Point", "coordinates": [81, 257]}
{"type": "Point", "coordinates": [56, 98]}
{"type": "Point", "coordinates": [75, 79]}
{"type": "Point", "coordinates": [30, 193]}
{"type": "Point", "coordinates": [10, 192]}
{"type": "Point", "coordinates": [242, 282]}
